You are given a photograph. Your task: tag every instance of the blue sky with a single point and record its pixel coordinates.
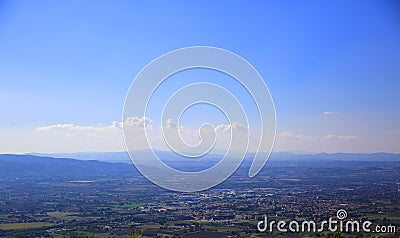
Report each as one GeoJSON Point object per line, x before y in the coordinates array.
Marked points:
{"type": "Point", "coordinates": [71, 62]}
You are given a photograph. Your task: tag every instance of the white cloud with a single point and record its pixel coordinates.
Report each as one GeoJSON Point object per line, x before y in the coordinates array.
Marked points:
{"type": "Point", "coordinates": [72, 127]}
{"type": "Point", "coordinates": [289, 135]}
{"type": "Point", "coordinates": [288, 141]}
{"type": "Point", "coordinates": [329, 113]}
{"type": "Point", "coordinates": [79, 136]}
{"type": "Point", "coordinates": [132, 122]}
{"type": "Point", "coordinates": [138, 122]}
{"type": "Point", "coordinates": [235, 126]}
{"type": "Point", "coordinates": [70, 137]}
{"type": "Point", "coordinates": [101, 137]}
{"type": "Point", "coordinates": [170, 124]}
{"type": "Point", "coordinates": [332, 137]}
{"type": "Point", "coordinates": [193, 136]}
{"type": "Point", "coordinates": [98, 138]}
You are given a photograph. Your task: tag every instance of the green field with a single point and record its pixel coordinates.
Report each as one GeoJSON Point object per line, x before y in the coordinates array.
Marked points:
{"type": "Point", "coordinates": [381, 217]}
{"type": "Point", "coordinates": [130, 205]}
{"type": "Point", "coordinates": [15, 226]}
{"type": "Point", "coordinates": [67, 216]}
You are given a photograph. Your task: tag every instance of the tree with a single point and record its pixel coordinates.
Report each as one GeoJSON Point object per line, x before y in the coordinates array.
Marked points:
{"type": "Point", "coordinates": [337, 234]}
{"type": "Point", "coordinates": [137, 232]}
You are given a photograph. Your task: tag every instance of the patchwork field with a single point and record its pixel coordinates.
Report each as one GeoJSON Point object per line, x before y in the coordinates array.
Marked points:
{"type": "Point", "coordinates": [30, 225]}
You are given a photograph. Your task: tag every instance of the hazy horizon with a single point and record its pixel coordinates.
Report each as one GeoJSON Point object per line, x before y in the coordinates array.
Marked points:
{"type": "Point", "coordinates": [218, 154]}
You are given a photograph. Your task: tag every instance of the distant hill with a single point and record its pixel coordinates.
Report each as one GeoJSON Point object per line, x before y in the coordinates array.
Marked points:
{"type": "Point", "coordinates": [112, 157]}
{"type": "Point", "coordinates": [339, 156]}
{"type": "Point", "coordinates": [123, 157]}
{"type": "Point", "coordinates": [39, 168]}
{"type": "Point", "coordinates": [45, 168]}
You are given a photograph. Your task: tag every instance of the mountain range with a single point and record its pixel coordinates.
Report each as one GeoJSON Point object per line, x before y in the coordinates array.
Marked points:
{"type": "Point", "coordinates": [84, 166]}
{"type": "Point", "coordinates": [123, 157]}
